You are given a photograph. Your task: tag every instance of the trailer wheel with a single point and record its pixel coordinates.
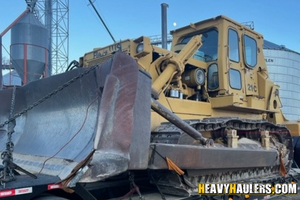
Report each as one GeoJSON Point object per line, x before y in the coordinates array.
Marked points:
{"type": "Point", "coordinates": [51, 198]}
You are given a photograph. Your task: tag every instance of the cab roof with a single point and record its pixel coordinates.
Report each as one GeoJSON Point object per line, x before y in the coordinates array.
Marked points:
{"type": "Point", "coordinates": [214, 20]}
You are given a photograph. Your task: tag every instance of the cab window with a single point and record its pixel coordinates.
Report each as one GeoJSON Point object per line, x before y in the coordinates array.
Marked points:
{"type": "Point", "coordinates": [212, 77]}
{"type": "Point", "coordinates": [233, 44]}
{"type": "Point", "coordinates": [250, 51]}
{"type": "Point", "coordinates": [209, 50]}
{"type": "Point", "coordinates": [235, 79]}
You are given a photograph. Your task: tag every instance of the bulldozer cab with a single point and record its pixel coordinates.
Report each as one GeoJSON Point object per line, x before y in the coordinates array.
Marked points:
{"type": "Point", "coordinates": [215, 67]}
{"type": "Point", "coordinates": [232, 56]}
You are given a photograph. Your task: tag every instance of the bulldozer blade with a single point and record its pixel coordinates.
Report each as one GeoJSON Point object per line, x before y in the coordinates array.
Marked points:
{"type": "Point", "coordinates": [104, 112]}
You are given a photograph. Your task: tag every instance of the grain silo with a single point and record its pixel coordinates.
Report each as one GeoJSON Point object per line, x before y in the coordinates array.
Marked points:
{"type": "Point", "coordinates": [11, 78]}
{"type": "Point", "coordinates": [29, 42]}
{"type": "Point", "coordinates": [284, 69]}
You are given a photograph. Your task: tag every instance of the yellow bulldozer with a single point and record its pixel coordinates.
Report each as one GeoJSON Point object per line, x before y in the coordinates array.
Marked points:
{"type": "Point", "coordinates": [205, 111]}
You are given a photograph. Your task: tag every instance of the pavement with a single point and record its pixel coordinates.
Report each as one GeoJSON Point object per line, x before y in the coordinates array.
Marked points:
{"type": "Point", "coordinates": [286, 197]}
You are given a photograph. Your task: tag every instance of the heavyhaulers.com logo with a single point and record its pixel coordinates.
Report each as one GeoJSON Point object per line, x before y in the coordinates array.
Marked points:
{"type": "Point", "coordinates": [247, 188]}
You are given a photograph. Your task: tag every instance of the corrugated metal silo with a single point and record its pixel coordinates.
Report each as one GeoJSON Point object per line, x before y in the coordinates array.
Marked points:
{"type": "Point", "coordinates": [284, 69]}
{"type": "Point", "coordinates": [29, 42]}
{"type": "Point", "coordinates": [11, 78]}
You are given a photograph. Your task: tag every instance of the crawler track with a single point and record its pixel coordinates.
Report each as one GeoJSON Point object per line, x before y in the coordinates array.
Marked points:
{"type": "Point", "coordinates": [249, 143]}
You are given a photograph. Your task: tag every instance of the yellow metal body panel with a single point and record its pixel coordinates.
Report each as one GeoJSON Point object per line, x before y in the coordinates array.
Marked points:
{"type": "Point", "coordinates": [189, 107]}
{"type": "Point", "coordinates": [229, 55]}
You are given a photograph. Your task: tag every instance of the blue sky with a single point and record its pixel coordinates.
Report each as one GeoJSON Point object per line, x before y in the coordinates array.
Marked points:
{"type": "Point", "coordinates": [277, 20]}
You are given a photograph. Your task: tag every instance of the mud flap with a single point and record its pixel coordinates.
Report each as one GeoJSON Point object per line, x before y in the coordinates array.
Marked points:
{"type": "Point", "coordinates": [56, 135]}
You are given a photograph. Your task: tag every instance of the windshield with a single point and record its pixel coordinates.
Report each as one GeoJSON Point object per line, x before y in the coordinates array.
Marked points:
{"type": "Point", "coordinates": [209, 49]}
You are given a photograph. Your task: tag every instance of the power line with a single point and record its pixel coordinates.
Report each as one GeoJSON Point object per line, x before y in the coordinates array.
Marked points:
{"type": "Point", "coordinates": [112, 37]}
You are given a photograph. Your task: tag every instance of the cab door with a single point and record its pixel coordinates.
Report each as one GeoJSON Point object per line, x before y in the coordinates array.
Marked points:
{"type": "Point", "coordinates": [250, 52]}
{"type": "Point", "coordinates": [234, 62]}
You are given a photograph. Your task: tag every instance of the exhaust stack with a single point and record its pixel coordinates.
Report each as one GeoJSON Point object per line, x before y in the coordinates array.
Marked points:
{"type": "Point", "coordinates": [164, 30]}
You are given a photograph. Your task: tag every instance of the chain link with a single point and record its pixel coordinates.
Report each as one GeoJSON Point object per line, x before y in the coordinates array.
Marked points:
{"type": "Point", "coordinates": [7, 174]}
{"type": "Point", "coordinates": [134, 186]}
{"type": "Point", "coordinates": [60, 88]}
